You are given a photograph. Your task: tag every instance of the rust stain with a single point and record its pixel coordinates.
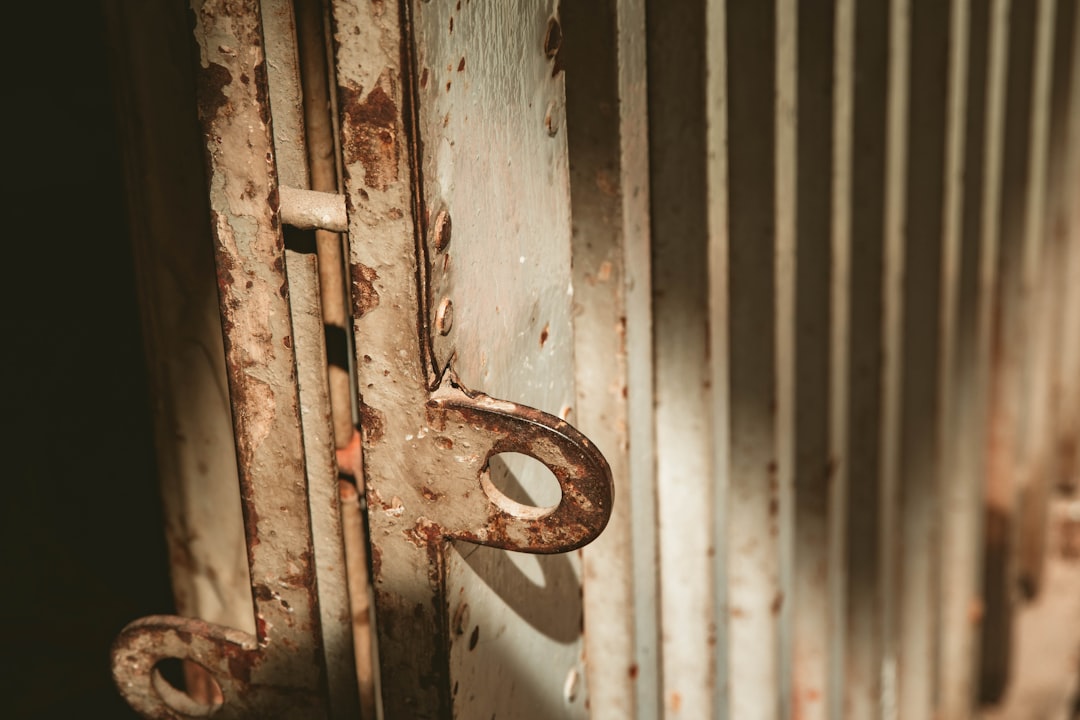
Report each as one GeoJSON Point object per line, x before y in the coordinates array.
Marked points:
{"type": "Point", "coordinates": [675, 700]}
{"type": "Point", "coordinates": [424, 78]}
{"type": "Point", "coordinates": [544, 334]}
{"type": "Point", "coordinates": [474, 638]}
{"type": "Point", "coordinates": [777, 603]}
{"type": "Point", "coordinates": [461, 64]}
{"type": "Point", "coordinates": [211, 96]}
{"type": "Point", "coordinates": [365, 297]}
{"type": "Point", "coordinates": [371, 132]}
{"type": "Point", "coordinates": [372, 423]}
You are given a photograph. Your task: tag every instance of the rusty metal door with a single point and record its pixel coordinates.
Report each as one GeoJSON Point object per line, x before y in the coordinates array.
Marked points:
{"type": "Point", "coordinates": [613, 359]}
{"type": "Point", "coordinates": [421, 151]}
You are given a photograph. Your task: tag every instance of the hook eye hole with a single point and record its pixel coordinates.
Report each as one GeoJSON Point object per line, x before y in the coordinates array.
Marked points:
{"type": "Point", "coordinates": [187, 687]}
{"type": "Point", "coordinates": [520, 485]}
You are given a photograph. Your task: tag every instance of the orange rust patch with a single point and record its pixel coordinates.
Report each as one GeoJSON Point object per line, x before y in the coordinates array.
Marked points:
{"type": "Point", "coordinates": [370, 132]}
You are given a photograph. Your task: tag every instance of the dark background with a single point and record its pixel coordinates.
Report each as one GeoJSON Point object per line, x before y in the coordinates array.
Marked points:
{"type": "Point", "coordinates": [83, 546]}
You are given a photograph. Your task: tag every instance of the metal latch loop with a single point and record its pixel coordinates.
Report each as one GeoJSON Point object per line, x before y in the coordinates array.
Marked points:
{"type": "Point", "coordinates": [488, 427]}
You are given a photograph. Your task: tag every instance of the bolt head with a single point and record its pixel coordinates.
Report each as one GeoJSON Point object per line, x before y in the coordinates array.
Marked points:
{"type": "Point", "coordinates": [444, 317]}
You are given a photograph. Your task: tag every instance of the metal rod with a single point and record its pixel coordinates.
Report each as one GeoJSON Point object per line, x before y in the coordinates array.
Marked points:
{"type": "Point", "coordinates": [310, 209]}
{"type": "Point", "coordinates": [322, 165]}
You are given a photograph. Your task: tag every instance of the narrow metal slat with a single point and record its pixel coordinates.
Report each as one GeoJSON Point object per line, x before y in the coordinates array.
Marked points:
{"type": "Point", "coordinates": [634, 151]}
{"type": "Point", "coordinates": [840, 251]}
{"type": "Point", "coordinates": [1069, 414]}
{"type": "Point", "coordinates": [813, 556]}
{"type": "Point", "coordinates": [1034, 495]}
{"type": "Point", "coordinates": [1061, 387]}
{"type": "Point", "coordinates": [1009, 336]}
{"type": "Point", "coordinates": [601, 361]}
{"type": "Point", "coordinates": [291, 152]}
{"type": "Point", "coordinates": [965, 348]}
{"type": "Point", "coordinates": [686, 480]}
{"type": "Point", "coordinates": [756, 247]}
{"type": "Point", "coordinates": [864, 628]}
{"type": "Point", "coordinates": [918, 470]}
{"type": "Point", "coordinates": [719, 340]}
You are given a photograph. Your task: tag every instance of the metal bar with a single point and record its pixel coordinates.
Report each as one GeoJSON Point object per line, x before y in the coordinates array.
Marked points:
{"type": "Point", "coordinates": [1009, 338]}
{"type": "Point", "coordinates": [965, 348]}
{"type": "Point", "coordinates": [427, 440]}
{"type": "Point", "coordinates": [864, 601]}
{"type": "Point", "coordinates": [815, 512]}
{"type": "Point", "coordinates": [310, 209]}
{"type": "Point", "coordinates": [1069, 413]}
{"type": "Point", "coordinates": [634, 166]}
{"type": "Point", "coordinates": [922, 216]}
{"type": "Point", "coordinates": [717, 344]}
{"type": "Point", "coordinates": [356, 539]}
{"type": "Point", "coordinates": [892, 339]}
{"type": "Point", "coordinates": [306, 208]}
{"type": "Point", "coordinates": [840, 344]}
{"type": "Point", "coordinates": [322, 166]}
{"type": "Point", "coordinates": [1034, 492]}
{"type": "Point", "coordinates": [280, 671]}
{"type": "Point", "coordinates": [686, 480]}
{"type": "Point", "coordinates": [326, 510]}
{"type": "Point", "coordinates": [756, 252]}
{"type": "Point", "coordinates": [593, 117]}
{"type": "Point", "coordinates": [1057, 231]}
{"type": "Point", "coordinates": [994, 152]}
{"type": "Point", "coordinates": [788, 215]}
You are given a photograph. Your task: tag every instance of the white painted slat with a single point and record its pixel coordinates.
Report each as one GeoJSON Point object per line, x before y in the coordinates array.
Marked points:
{"type": "Point", "coordinates": [756, 251]}
{"type": "Point", "coordinates": [686, 483]}
{"type": "Point", "coordinates": [634, 152]}
{"type": "Point", "coordinates": [602, 185]}
{"type": "Point", "coordinates": [492, 124]}
{"type": "Point", "coordinates": [717, 177]}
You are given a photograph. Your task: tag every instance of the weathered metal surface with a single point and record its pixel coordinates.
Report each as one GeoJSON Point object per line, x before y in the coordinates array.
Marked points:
{"type": "Point", "coordinates": [323, 490]}
{"type": "Point", "coordinates": [1034, 493]}
{"type": "Point", "coordinates": [965, 346]}
{"type": "Point", "coordinates": [1007, 351]}
{"type": "Point", "coordinates": [280, 670]}
{"type": "Point", "coordinates": [429, 444]}
{"type": "Point", "coordinates": [759, 474]}
{"type": "Point", "coordinates": [604, 133]}
{"type": "Point", "coordinates": [814, 560]}
{"type": "Point", "coordinates": [1068, 223]}
{"type": "Point", "coordinates": [323, 166]}
{"type": "Point", "coordinates": [689, 488]}
{"type": "Point", "coordinates": [920, 214]}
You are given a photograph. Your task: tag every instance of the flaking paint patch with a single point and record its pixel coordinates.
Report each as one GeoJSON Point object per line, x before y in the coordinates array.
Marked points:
{"type": "Point", "coordinates": [371, 132]}
{"type": "Point", "coordinates": [365, 297]}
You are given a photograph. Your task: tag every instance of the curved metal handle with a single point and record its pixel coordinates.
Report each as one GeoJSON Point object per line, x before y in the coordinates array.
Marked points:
{"type": "Point", "coordinates": [253, 681]}
{"type": "Point", "coordinates": [486, 427]}
{"type": "Point", "coordinates": [142, 644]}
